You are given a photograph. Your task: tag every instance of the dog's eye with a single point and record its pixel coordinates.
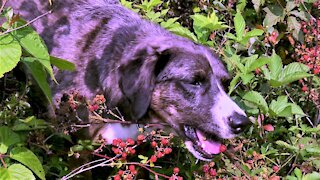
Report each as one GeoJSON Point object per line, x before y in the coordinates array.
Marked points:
{"type": "Point", "coordinates": [197, 81]}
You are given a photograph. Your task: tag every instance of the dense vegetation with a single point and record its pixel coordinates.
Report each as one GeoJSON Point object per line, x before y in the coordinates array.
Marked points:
{"type": "Point", "coordinates": [272, 51]}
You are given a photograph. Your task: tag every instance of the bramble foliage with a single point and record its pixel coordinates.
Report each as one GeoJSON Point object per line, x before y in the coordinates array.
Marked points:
{"type": "Point", "coordinates": [271, 50]}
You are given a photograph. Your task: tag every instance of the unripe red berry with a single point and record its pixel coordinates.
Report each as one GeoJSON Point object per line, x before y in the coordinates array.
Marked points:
{"type": "Point", "coordinates": [212, 172]}
{"type": "Point", "coordinates": [304, 88]}
{"type": "Point", "coordinates": [120, 172]}
{"type": "Point", "coordinates": [130, 141]}
{"type": "Point", "coordinates": [223, 148]}
{"type": "Point", "coordinates": [167, 150]}
{"type": "Point", "coordinates": [116, 177]}
{"type": "Point", "coordinates": [205, 168]}
{"type": "Point", "coordinates": [153, 158]}
{"type": "Point", "coordinates": [123, 144]}
{"type": "Point", "coordinates": [164, 141]}
{"type": "Point", "coordinates": [160, 155]}
{"type": "Point", "coordinates": [153, 144]}
{"type": "Point", "coordinates": [132, 167]}
{"type": "Point", "coordinates": [176, 170]}
{"type": "Point", "coordinates": [124, 155]}
{"type": "Point", "coordinates": [275, 168]}
{"type": "Point", "coordinates": [140, 137]}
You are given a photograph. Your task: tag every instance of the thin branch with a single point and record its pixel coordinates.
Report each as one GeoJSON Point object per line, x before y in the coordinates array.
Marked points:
{"type": "Point", "coordinates": [4, 2]}
{"type": "Point", "coordinates": [25, 25]}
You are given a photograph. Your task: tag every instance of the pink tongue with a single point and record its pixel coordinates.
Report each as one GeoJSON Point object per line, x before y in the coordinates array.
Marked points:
{"type": "Point", "coordinates": [211, 147]}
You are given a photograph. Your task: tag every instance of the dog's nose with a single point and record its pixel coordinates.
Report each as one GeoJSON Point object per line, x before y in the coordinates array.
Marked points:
{"type": "Point", "coordinates": [238, 123]}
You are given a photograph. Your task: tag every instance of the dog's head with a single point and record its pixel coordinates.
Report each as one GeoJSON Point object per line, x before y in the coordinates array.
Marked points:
{"type": "Point", "coordinates": [181, 83]}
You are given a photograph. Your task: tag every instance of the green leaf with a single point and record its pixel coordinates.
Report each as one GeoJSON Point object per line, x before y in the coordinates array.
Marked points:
{"type": "Point", "coordinates": [294, 68]}
{"type": "Point", "coordinates": [281, 107]}
{"type": "Point", "coordinates": [176, 28]}
{"type": "Point", "coordinates": [29, 159]}
{"type": "Point", "coordinates": [296, 109]}
{"type": "Point", "coordinates": [233, 83]}
{"type": "Point", "coordinates": [298, 173]}
{"type": "Point", "coordinates": [313, 150]}
{"type": "Point", "coordinates": [312, 176]}
{"type": "Point", "coordinates": [39, 74]}
{"type": "Point", "coordinates": [287, 146]}
{"type": "Point", "coordinates": [289, 79]}
{"type": "Point", "coordinates": [257, 99]}
{"type": "Point", "coordinates": [62, 64]}
{"type": "Point", "coordinates": [275, 65]}
{"type": "Point", "coordinates": [254, 32]}
{"type": "Point", "coordinates": [30, 123]}
{"type": "Point", "coordinates": [241, 4]}
{"type": "Point", "coordinates": [246, 77]}
{"type": "Point", "coordinates": [7, 139]}
{"type": "Point", "coordinates": [239, 25]}
{"type": "Point", "coordinates": [10, 53]}
{"type": "Point", "coordinates": [33, 44]}
{"type": "Point", "coordinates": [248, 61]}
{"type": "Point", "coordinates": [16, 172]}
{"type": "Point", "coordinates": [258, 63]}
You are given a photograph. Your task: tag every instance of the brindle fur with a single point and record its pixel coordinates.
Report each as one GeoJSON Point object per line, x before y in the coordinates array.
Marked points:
{"type": "Point", "coordinates": [147, 72]}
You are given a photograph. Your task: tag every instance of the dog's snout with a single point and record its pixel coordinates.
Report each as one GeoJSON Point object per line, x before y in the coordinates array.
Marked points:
{"type": "Point", "coordinates": [238, 123]}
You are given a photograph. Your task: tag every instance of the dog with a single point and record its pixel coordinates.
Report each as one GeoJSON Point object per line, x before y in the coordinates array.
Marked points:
{"type": "Point", "coordinates": [150, 74]}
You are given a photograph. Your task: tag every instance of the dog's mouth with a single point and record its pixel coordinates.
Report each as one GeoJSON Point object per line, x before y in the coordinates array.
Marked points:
{"type": "Point", "coordinates": [201, 144]}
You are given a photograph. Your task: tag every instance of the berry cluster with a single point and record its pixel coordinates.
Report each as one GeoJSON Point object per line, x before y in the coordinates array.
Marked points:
{"type": "Point", "coordinates": [127, 174]}
{"type": "Point", "coordinates": [272, 38]}
{"type": "Point", "coordinates": [97, 103]}
{"type": "Point", "coordinates": [123, 147]}
{"type": "Point", "coordinates": [160, 144]}
{"type": "Point", "coordinates": [309, 52]}
{"type": "Point", "coordinates": [209, 170]}
{"type": "Point", "coordinates": [74, 99]}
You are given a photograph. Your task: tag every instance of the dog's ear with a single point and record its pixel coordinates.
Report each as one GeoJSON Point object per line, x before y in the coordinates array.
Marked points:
{"type": "Point", "coordinates": [138, 75]}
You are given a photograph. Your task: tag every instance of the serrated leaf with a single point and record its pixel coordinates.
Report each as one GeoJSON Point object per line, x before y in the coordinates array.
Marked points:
{"type": "Point", "coordinates": [10, 53]}
{"type": "Point", "coordinates": [29, 159]}
{"type": "Point", "coordinates": [296, 109]}
{"type": "Point", "coordinates": [298, 173]}
{"type": "Point", "coordinates": [291, 78]}
{"type": "Point", "coordinates": [294, 68]}
{"type": "Point", "coordinates": [257, 99]}
{"type": "Point", "coordinates": [30, 123]}
{"type": "Point", "coordinates": [280, 107]}
{"type": "Point", "coordinates": [16, 172]}
{"type": "Point", "coordinates": [231, 36]}
{"type": "Point", "coordinates": [294, 26]}
{"type": "Point", "coordinates": [39, 74]}
{"type": "Point", "coordinates": [258, 63]}
{"type": "Point", "coordinates": [254, 32]}
{"type": "Point", "coordinates": [313, 150]}
{"type": "Point", "coordinates": [241, 4]}
{"type": "Point", "coordinates": [239, 25]}
{"type": "Point", "coordinates": [246, 78]}
{"type": "Point", "coordinates": [275, 66]}
{"type": "Point", "coordinates": [233, 83]}
{"type": "Point", "coordinates": [311, 176]}
{"type": "Point", "coordinates": [62, 64]}
{"type": "Point", "coordinates": [7, 138]}
{"type": "Point", "coordinates": [30, 40]}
